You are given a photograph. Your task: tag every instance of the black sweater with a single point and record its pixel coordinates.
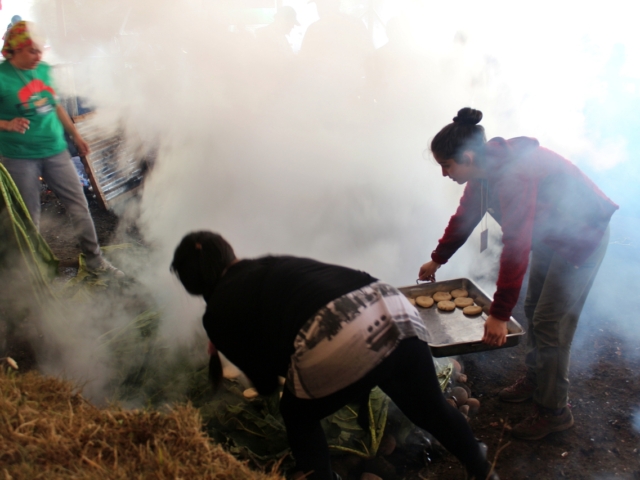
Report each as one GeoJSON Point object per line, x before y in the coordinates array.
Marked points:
{"type": "Point", "coordinates": [258, 307]}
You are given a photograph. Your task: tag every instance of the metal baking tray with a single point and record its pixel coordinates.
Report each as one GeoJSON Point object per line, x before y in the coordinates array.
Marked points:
{"type": "Point", "coordinates": [454, 333]}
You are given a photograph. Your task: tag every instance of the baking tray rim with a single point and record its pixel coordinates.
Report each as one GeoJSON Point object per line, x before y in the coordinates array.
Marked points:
{"type": "Point", "coordinates": [512, 337]}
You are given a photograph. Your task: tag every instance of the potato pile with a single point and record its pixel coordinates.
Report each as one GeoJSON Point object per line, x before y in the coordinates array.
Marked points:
{"type": "Point", "coordinates": [460, 395]}
{"type": "Point", "coordinates": [448, 301]}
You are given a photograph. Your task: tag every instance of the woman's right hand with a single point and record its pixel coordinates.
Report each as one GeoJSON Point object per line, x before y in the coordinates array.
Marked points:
{"type": "Point", "coordinates": [428, 271]}
{"type": "Point", "coordinates": [18, 124]}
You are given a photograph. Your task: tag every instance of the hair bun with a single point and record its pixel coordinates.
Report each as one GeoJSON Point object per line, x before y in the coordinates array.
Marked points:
{"type": "Point", "coordinates": [468, 116]}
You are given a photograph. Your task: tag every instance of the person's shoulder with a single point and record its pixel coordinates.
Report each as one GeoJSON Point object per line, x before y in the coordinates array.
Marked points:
{"type": "Point", "coordinates": [523, 143]}
{"type": "Point", "coordinates": [285, 260]}
{"type": "Point", "coordinates": [43, 71]}
{"type": "Point", "coordinates": [501, 151]}
{"type": "Point", "coordinates": [279, 264]}
{"type": "Point", "coordinates": [275, 257]}
{"type": "Point", "coordinates": [6, 72]}
{"type": "Point", "coordinates": [43, 67]}
{"type": "Point", "coordinates": [251, 268]}
{"type": "Point", "coordinates": [295, 259]}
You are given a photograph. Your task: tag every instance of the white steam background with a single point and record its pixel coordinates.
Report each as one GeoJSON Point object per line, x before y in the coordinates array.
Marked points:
{"type": "Point", "coordinates": [281, 155]}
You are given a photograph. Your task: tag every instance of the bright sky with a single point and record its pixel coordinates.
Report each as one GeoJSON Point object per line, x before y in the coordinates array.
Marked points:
{"type": "Point", "coordinates": [14, 7]}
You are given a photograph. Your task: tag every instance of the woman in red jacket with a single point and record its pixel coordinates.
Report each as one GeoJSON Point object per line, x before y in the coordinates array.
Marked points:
{"type": "Point", "coordinates": [547, 208]}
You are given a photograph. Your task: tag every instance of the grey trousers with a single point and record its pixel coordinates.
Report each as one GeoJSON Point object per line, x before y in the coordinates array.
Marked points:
{"type": "Point", "coordinates": [557, 292]}
{"type": "Point", "coordinates": [61, 176]}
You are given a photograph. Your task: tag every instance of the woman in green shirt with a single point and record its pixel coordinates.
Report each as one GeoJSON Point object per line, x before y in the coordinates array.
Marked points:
{"type": "Point", "coordinates": [32, 144]}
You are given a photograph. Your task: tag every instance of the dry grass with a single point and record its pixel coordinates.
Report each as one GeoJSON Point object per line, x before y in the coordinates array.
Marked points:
{"type": "Point", "coordinates": [48, 430]}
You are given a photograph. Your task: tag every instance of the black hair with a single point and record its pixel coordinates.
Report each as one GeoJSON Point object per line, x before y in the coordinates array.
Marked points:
{"type": "Point", "coordinates": [200, 260]}
{"type": "Point", "coordinates": [463, 134]}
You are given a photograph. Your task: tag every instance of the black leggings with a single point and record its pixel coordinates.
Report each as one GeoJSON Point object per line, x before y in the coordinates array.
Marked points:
{"type": "Point", "coordinates": [409, 378]}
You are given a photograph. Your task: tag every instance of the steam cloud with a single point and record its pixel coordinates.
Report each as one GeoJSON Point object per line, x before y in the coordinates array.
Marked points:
{"type": "Point", "coordinates": [323, 158]}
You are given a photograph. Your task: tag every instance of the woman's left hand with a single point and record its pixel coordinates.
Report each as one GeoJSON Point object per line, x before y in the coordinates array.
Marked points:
{"type": "Point", "coordinates": [495, 332]}
{"type": "Point", "coordinates": [83, 147]}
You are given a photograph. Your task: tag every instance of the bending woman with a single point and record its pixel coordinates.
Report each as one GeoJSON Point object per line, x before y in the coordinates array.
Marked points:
{"type": "Point", "coordinates": [333, 332]}
{"type": "Point", "coordinates": [547, 207]}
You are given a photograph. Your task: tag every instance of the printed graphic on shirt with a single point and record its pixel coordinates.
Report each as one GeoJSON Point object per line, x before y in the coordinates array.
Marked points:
{"type": "Point", "coordinates": [344, 310]}
{"type": "Point", "coordinates": [36, 98]}
{"type": "Point", "coordinates": [350, 336]}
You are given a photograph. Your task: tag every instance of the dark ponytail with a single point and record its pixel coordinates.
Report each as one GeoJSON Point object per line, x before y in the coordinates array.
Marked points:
{"type": "Point", "coordinates": [463, 134]}
{"type": "Point", "coordinates": [199, 261]}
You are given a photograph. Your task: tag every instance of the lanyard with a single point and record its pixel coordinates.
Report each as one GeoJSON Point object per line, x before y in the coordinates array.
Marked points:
{"type": "Point", "coordinates": [24, 80]}
{"type": "Point", "coordinates": [484, 221]}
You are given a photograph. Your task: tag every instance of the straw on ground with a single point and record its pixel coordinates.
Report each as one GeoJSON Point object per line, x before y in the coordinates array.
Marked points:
{"type": "Point", "coordinates": [48, 430]}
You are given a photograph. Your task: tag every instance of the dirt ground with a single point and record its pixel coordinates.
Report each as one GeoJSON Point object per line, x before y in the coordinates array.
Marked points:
{"type": "Point", "coordinates": [55, 227]}
{"type": "Point", "coordinates": [605, 392]}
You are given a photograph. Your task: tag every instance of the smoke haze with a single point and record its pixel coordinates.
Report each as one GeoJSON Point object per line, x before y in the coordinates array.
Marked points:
{"type": "Point", "coordinates": [322, 156]}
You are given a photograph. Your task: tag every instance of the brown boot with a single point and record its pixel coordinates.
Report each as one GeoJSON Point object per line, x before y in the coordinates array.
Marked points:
{"type": "Point", "coordinates": [542, 422]}
{"type": "Point", "coordinates": [521, 391]}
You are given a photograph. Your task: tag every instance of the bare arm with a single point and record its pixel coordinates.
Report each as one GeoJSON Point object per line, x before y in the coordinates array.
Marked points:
{"type": "Point", "coordinates": [70, 128]}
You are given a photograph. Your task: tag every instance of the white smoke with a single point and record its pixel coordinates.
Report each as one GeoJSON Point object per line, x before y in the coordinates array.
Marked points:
{"type": "Point", "coordinates": [265, 163]}
{"type": "Point", "coordinates": [281, 155]}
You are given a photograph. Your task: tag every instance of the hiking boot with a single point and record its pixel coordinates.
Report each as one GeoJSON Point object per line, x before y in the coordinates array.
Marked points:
{"type": "Point", "coordinates": [542, 422]}
{"type": "Point", "coordinates": [104, 268]}
{"type": "Point", "coordinates": [521, 391]}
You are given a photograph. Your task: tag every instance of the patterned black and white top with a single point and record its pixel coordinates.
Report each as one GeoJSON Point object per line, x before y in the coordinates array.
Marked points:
{"type": "Point", "coordinates": [349, 337]}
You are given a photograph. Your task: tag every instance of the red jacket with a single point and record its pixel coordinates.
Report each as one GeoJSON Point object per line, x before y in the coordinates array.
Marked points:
{"type": "Point", "coordinates": [536, 196]}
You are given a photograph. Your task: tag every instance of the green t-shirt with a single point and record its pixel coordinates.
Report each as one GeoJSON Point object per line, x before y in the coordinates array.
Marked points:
{"type": "Point", "coordinates": [30, 94]}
